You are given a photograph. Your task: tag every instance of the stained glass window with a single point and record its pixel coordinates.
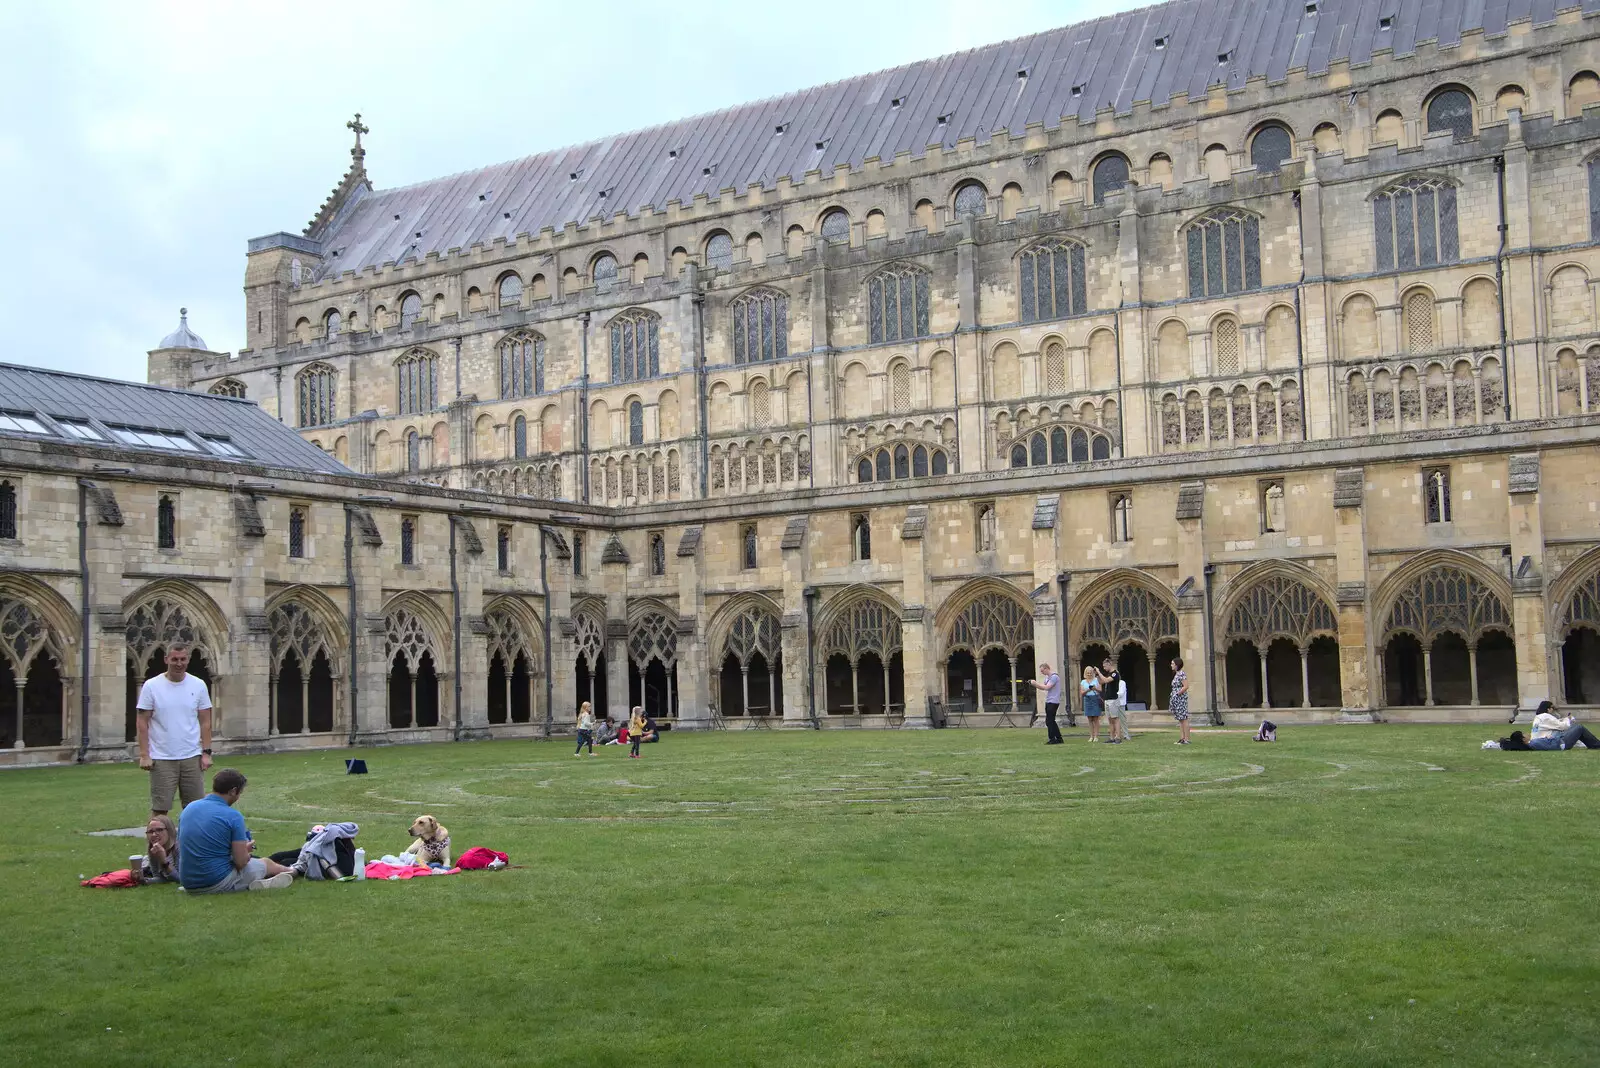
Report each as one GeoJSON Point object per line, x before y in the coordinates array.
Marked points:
{"type": "Point", "coordinates": [748, 537]}
{"type": "Point", "coordinates": [1110, 175]}
{"type": "Point", "coordinates": [864, 470]}
{"type": "Point", "coordinates": [228, 387]}
{"type": "Point", "coordinates": [510, 291]}
{"type": "Point", "coordinates": [503, 548]}
{"type": "Point", "coordinates": [919, 462]}
{"type": "Point", "coordinates": [1058, 444]}
{"type": "Point", "coordinates": [902, 462]}
{"type": "Point", "coordinates": [417, 381]}
{"type": "Point", "coordinates": [972, 199]}
{"type": "Point", "coordinates": [1451, 111]}
{"type": "Point", "coordinates": [8, 510]}
{"type": "Point", "coordinates": [835, 227]}
{"type": "Point", "coordinates": [408, 540]}
{"type": "Point", "coordinates": [941, 465]}
{"type": "Point", "coordinates": [760, 326]}
{"type": "Point", "coordinates": [635, 346]}
{"type": "Point", "coordinates": [719, 251]}
{"type": "Point", "coordinates": [1414, 224]}
{"type": "Point", "coordinates": [1271, 148]}
{"type": "Point", "coordinates": [1224, 253]}
{"type": "Point", "coordinates": [522, 365]}
{"type": "Point", "coordinates": [1019, 455]}
{"type": "Point", "coordinates": [315, 386]}
{"type": "Point", "coordinates": [1053, 281]}
{"type": "Point", "coordinates": [897, 304]}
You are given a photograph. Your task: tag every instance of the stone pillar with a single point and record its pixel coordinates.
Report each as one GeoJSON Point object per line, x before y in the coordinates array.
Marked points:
{"type": "Point", "coordinates": [1140, 434]}
{"type": "Point", "coordinates": [1192, 599]}
{"type": "Point", "coordinates": [1538, 655]}
{"type": "Point", "coordinates": [462, 438]}
{"type": "Point", "coordinates": [371, 716]}
{"type": "Point", "coordinates": [920, 672]}
{"type": "Point", "coordinates": [824, 384]}
{"type": "Point", "coordinates": [614, 572]}
{"type": "Point", "coordinates": [796, 652]}
{"type": "Point", "coordinates": [108, 672]}
{"type": "Point", "coordinates": [558, 611]}
{"type": "Point", "coordinates": [695, 671]}
{"type": "Point", "coordinates": [1047, 636]}
{"type": "Point", "coordinates": [1525, 298]}
{"type": "Point", "coordinates": [1356, 655]}
{"type": "Point", "coordinates": [473, 566]}
{"type": "Point", "coordinates": [1319, 396]}
{"type": "Point", "coordinates": [243, 671]}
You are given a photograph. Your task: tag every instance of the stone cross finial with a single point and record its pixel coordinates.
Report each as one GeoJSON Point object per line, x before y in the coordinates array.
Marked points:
{"type": "Point", "coordinates": [355, 124]}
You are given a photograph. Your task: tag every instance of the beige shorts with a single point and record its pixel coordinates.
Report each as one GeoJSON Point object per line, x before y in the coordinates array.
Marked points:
{"type": "Point", "coordinates": [1117, 710]}
{"type": "Point", "coordinates": [182, 777]}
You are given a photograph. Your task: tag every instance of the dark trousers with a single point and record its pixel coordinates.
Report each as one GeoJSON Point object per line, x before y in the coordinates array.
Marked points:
{"type": "Point", "coordinates": [1052, 729]}
{"type": "Point", "coordinates": [636, 740]}
{"type": "Point", "coordinates": [1579, 733]}
{"type": "Point", "coordinates": [585, 738]}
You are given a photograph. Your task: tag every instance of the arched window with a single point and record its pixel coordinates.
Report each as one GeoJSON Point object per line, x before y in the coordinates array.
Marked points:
{"type": "Point", "coordinates": [750, 547]}
{"type": "Point", "coordinates": [864, 470]}
{"type": "Point", "coordinates": [228, 387]}
{"type": "Point", "coordinates": [897, 304]}
{"type": "Point", "coordinates": [719, 251]}
{"type": "Point", "coordinates": [1053, 280]}
{"type": "Point", "coordinates": [1419, 321]}
{"type": "Point", "coordinates": [1451, 110]}
{"type": "Point", "coordinates": [604, 269]}
{"type": "Point", "coordinates": [1225, 346]}
{"type": "Point", "coordinates": [940, 462]}
{"type": "Point", "coordinates": [410, 309]}
{"type": "Point", "coordinates": [521, 365]}
{"type": "Point", "coordinates": [636, 423]}
{"type": "Point", "coordinates": [1019, 455]}
{"type": "Point", "coordinates": [297, 532]}
{"type": "Point", "coordinates": [1110, 175]}
{"type": "Point", "coordinates": [413, 451]}
{"type": "Point", "coordinates": [1122, 517]}
{"type": "Point", "coordinates": [861, 535]}
{"type": "Point", "coordinates": [166, 524]}
{"type": "Point", "coordinates": [519, 437]}
{"type": "Point", "coordinates": [417, 383]}
{"type": "Point", "coordinates": [1271, 148]}
{"type": "Point", "coordinates": [1080, 446]}
{"type": "Point", "coordinates": [972, 199]}
{"type": "Point", "coordinates": [902, 462]}
{"type": "Point", "coordinates": [1058, 445]}
{"type": "Point", "coordinates": [635, 346]}
{"type": "Point", "coordinates": [760, 403]}
{"type": "Point", "coordinates": [315, 386]}
{"type": "Point", "coordinates": [1038, 452]}
{"type": "Point", "coordinates": [919, 462]}
{"type": "Point", "coordinates": [835, 227]}
{"type": "Point", "coordinates": [1224, 253]}
{"type": "Point", "coordinates": [883, 465]}
{"type": "Point", "coordinates": [899, 461]}
{"type": "Point", "coordinates": [331, 323]}
{"type": "Point", "coordinates": [1414, 224]}
{"type": "Point", "coordinates": [510, 290]}
{"type": "Point", "coordinates": [1594, 199]}
{"type": "Point", "coordinates": [8, 510]}
{"type": "Point", "coordinates": [760, 326]}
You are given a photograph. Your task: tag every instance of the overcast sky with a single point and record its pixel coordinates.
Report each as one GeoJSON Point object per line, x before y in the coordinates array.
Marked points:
{"type": "Point", "coordinates": [143, 143]}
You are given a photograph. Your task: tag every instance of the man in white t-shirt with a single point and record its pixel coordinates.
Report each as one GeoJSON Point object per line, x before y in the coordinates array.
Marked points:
{"type": "Point", "coordinates": [175, 732]}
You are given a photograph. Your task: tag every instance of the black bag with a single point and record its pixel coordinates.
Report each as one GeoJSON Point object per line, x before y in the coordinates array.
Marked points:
{"type": "Point", "coordinates": [344, 854]}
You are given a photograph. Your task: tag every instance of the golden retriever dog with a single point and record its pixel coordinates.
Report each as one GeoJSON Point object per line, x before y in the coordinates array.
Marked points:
{"type": "Point", "coordinates": [432, 845]}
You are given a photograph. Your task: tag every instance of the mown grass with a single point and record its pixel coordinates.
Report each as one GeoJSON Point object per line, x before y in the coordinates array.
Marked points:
{"type": "Point", "coordinates": [1377, 895]}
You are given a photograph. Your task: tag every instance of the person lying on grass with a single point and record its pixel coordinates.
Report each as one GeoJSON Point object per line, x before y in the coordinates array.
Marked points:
{"type": "Point", "coordinates": [1551, 731]}
{"type": "Point", "coordinates": [215, 847]}
{"type": "Point", "coordinates": [161, 851]}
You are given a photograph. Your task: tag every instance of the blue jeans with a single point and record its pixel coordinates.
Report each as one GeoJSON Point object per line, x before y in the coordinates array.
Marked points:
{"type": "Point", "coordinates": [585, 738]}
{"type": "Point", "coordinates": [1567, 739]}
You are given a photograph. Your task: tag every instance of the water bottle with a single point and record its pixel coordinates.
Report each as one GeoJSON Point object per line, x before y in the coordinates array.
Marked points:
{"type": "Point", "coordinates": [361, 863]}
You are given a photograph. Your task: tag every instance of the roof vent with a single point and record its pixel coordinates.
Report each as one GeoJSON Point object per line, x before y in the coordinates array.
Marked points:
{"type": "Point", "coordinates": [778, 129]}
{"type": "Point", "coordinates": [1077, 91]}
{"type": "Point", "coordinates": [507, 214]}
{"type": "Point", "coordinates": [397, 216]}
{"type": "Point", "coordinates": [1311, 8]}
{"type": "Point", "coordinates": [575, 175]}
{"type": "Point", "coordinates": [897, 101]}
{"type": "Point", "coordinates": [1223, 57]}
{"type": "Point", "coordinates": [1386, 22]}
{"type": "Point", "coordinates": [1161, 42]}
{"type": "Point", "coordinates": [672, 153]}
{"type": "Point", "coordinates": [820, 145]}
{"type": "Point", "coordinates": [1023, 73]}
{"type": "Point", "coordinates": [944, 120]}
{"type": "Point", "coordinates": [707, 172]}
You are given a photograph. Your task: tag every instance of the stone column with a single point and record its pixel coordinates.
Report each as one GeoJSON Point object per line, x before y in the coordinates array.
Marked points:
{"type": "Point", "coordinates": [1140, 434]}
{"type": "Point", "coordinates": [558, 609]}
{"type": "Point", "coordinates": [823, 382]}
{"type": "Point", "coordinates": [614, 573]}
{"type": "Point", "coordinates": [473, 567]}
{"type": "Point", "coordinates": [107, 681]}
{"type": "Point", "coordinates": [920, 673]}
{"type": "Point", "coordinates": [1538, 655]}
{"type": "Point", "coordinates": [695, 671]}
{"type": "Point", "coordinates": [371, 716]}
{"type": "Point", "coordinates": [1525, 297]}
{"type": "Point", "coordinates": [1047, 636]}
{"type": "Point", "coordinates": [1191, 599]}
{"type": "Point", "coordinates": [796, 658]}
{"type": "Point", "coordinates": [243, 670]}
{"type": "Point", "coordinates": [1356, 655]}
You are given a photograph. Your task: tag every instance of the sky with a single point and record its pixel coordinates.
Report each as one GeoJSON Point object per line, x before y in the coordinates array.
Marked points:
{"type": "Point", "coordinates": [142, 144]}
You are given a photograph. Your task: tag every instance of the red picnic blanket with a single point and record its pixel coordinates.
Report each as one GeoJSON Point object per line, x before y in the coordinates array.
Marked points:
{"type": "Point", "coordinates": [113, 879]}
{"type": "Point", "coordinates": [377, 869]}
{"type": "Point", "coordinates": [480, 857]}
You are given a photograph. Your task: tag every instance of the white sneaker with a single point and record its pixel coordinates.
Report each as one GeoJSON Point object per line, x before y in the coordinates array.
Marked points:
{"type": "Point", "coordinates": [275, 882]}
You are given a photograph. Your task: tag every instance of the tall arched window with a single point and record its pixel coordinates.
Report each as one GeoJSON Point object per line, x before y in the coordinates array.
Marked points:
{"type": "Point", "coordinates": [1110, 175]}
{"type": "Point", "coordinates": [1271, 148]}
{"type": "Point", "coordinates": [897, 304]}
{"type": "Point", "coordinates": [1414, 224]}
{"type": "Point", "coordinates": [636, 423]}
{"type": "Point", "coordinates": [835, 227]}
{"type": "Point", "coordinates": [228, 387]}
{"type": "Point", "coordinates": [522, 365]}
{"type": "Point", "coordinates": [719, 251]}
{"type": "Point", "coordinates": [410, 309]}
{"type": "Point", "coordinates": [1451, 110]}
{"type": "Point", "coordinates": [1224, 253]}
{"type": "Point", "coordinates": [972, 199]}
{"type": "Point", "coordinates": [315, 386]}
{"type": "Point", "coordinates": [635, 346]}
{"type": "Point", "coordinates": [1419, 321]}
{"type": "Point", "coordinates": [331, 322]}
{"type": "Point", "coordinates": [166, 524]}
{"type": "Point", "coordinates": [510, 290]}
{"type": "Point", "coordinates": [8, 510]}
{"type": "Point", "coordinates": [519, 437]}
{"type": "Point", "coordinates": [760, 403]}
{"type": "Point", "coordinates": [1594, 199]}
{"type": "Point", "coordinates": [417, 382]}
{"type": "Point", "coordinates": [413, 451]}
{"type": "Point", "coordinates": [604, 269]}
{"type": "Point", "coordinates": [1053, 281]}
{"type": "Point", "coordinates": [760, 326]}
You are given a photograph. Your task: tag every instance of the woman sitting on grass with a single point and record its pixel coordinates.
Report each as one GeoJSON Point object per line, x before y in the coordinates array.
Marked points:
{"type": "Point", "coordinates": [1551, 731]}
{"type": "Point", "coordinates": [161, 851]}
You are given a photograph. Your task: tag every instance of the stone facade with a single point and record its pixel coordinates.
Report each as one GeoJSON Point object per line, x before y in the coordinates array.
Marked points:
{"type": "Point", "coordinates": [1321, 424]}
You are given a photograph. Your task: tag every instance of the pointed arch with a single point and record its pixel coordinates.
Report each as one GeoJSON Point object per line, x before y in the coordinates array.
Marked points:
{"type": "Point", "coordinates": [745, 624]}
{"type": "Point", "coordinates": [1575, 595]}
{"type": "Point", "coordinates": [898, 302]}
{"type": "Point", "coordinates": [760, 323]}
{"type": "Point", "coordinates": [1278, 599]}
{"type": "Point", "coordinates": [1121, 607]}
{"type": "Point", "coordinates": [635, 345]}
{"type": "Point", "coordinates": [1224, 252]}
{"type": "Point", "coordinates": [1443, 591]}
{"type": "Point", "coordinates": [652, 633]}
{"type": "Point", "coordinates": [171, 610]}
{"type": "Point", "coordinates": [34, 618]}
{"type": "Point", "coordinates": [856, 620]}
{"type": "Point", "coordinates": [985, 614]}
{"type": "Point", "coordinates": [512, 627]}
{"type": "Point", "coordinates": [415, 625]}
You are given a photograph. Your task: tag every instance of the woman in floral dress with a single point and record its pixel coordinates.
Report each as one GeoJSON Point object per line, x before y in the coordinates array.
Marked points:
{"type": "Point", "coordinates": [1178, 703]}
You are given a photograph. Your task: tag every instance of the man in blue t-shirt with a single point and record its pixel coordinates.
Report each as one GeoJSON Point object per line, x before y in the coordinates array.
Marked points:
{"type": "Point", "coordinates": [214, 847]}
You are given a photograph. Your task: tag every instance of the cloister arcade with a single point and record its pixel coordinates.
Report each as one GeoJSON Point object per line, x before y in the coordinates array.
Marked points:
{"type": "Point", "coordinates": [653, 659]}
{"type": "Point", "coordinates": [1280, 647]}
{"type": "Point", "coordinates": [1447, 635]}
{"type": "Point", "coordinates": [1132, 619]}
{"type": "Point", "coordinates": [750, 672]}
{"type": "Point", "coordinates": [33, 665]}
{"type": "Point", "coordinates": [988, 657]}
{"type": "Point", "coordinates": [861, 666]}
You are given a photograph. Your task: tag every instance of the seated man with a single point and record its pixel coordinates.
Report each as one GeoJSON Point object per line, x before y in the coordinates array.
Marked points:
{"type": "Point", "coordinates": [214, 847]}
{"type": "Point", "coordinates": [650, 732]}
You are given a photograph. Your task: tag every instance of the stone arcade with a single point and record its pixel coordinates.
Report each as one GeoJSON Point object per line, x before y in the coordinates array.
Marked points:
{"type": "Point", "coordinates": [1266, 338]}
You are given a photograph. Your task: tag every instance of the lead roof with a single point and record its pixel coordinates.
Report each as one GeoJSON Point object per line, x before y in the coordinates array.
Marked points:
{"type": "Point", "coordinates": [1110, 62]}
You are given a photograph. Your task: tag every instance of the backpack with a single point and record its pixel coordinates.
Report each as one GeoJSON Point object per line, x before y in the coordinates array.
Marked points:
{"type": "Point", "coordinates": [1267, 732]}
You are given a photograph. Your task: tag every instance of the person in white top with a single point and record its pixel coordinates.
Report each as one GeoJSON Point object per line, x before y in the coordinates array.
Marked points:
{"type": "Point", "coordinates": [1551, 731]}
{"type": "Point", "coordinates": [585, 728]}
{"type": "Point", "coordinates": [174, 729]}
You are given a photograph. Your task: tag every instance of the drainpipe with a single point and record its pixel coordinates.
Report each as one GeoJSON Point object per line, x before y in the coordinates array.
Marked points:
{"type": "Point", "coordinates": [1299, 323]}
{"type": "Point", "coordinates": [1211, 656]}
{"type": "Point", "coordinates": [1500, 286]}
{"type": "Point", "coordinates": [583, 411]}
{"type": "Point", "coordinates": [455, 610]}
{"type": "Point", "coordinates": [83, 617]}
{"type": "Point", "coordinates": [350, 587]}
{"type": "Point", "coordinates": [544, 588]}
{"type": "Point", "coordinates": [811, 661]}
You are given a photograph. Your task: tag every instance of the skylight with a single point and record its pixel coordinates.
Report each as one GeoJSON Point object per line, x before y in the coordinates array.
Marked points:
{"type": "Point", "coordinates": [76, 429]}
{"type": "Point", "coordinates": [22, 422]}
{"type": "Point", "coordinates": [225, 447]}
{"type": "Point", "coordinates": [154, 439]}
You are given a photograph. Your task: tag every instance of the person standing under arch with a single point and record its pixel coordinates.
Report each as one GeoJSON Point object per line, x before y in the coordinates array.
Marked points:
{"type": "Point", "coordinates": [174, 732]}
{"type": "Point", "coordinates": [1178, 703]}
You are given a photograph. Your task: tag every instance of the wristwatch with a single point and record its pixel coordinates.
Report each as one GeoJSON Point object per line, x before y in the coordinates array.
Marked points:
{"type": "Point", "coordinates": [205, 752]}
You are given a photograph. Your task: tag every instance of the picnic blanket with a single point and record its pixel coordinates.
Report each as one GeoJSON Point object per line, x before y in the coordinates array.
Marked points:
{"type": "Point", "coordinates": [377, 869]}
{"type": "Point", "coordinates": [113, 879]}
{"type": "Point", "coordinates": [481, 857]}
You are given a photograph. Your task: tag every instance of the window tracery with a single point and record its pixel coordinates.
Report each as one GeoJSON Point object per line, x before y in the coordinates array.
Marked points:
{"type": "Point", "coordinates": [1281, 607]}
{"type": "Point", "coordinates": [760, 326]}
{"type": "Point", "coordinates": [417, 383]}
{"type": "Point", "coordinates": [898, 304]}
{"type": "Point", "coordinates": [315, 387]}
{"type": "Point", "coordinates": [1224, 253]}
{"type": "Point", "coordinates": [1447, 599]}
{"type": "Point", "coordinates": [291, 628]}
{"type": "Point", "coordinates": [157, 624]}
{"type": "Point", "coordinates": [1415, 224]}
{"type": "Point", "coordinates": [653, 637]}
{"type": "Point", "coordinates": [635, 346]}
{"type": "Point", "coordinates": [1130, 614]}
{"type": "Point", "coordinates": [754, 633]}
{"type": "Point", "coordinates": [406, 635]}
{"type": "Point", "coordinates": [522, 365]}
{"type": "Point", "coordinates": [1053, 283]}
{"type": "Point", "coordinates": [867, 626]}
{"type": "Point", "coordinates": [23, 636]}
{"type": "Point", "coordinates": [992, 620]}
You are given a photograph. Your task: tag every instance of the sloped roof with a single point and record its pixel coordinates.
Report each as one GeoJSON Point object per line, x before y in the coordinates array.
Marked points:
{"type": "Point", "coordinates": [1074, 71]}
{"type": "Point", "coordinates": [107, 403]}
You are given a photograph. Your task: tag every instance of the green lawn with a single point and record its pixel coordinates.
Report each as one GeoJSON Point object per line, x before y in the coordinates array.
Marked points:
{"type": "Point", "coordinates": [1364, 895]}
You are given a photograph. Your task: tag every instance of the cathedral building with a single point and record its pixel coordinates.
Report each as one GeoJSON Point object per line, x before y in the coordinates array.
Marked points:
{"type": "Point", "coordinates": [1262, 334]}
